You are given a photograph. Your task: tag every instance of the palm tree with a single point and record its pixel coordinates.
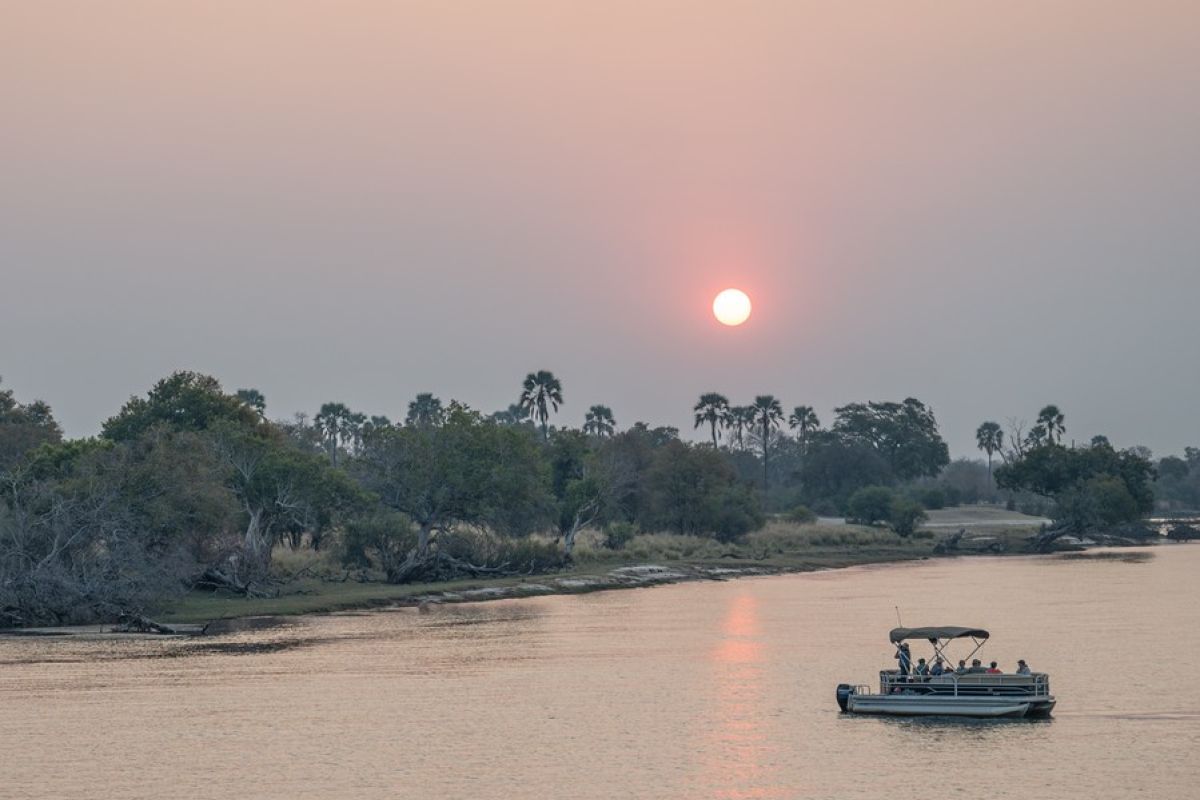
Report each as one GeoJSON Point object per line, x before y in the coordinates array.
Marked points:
{"type": "Point", "coordinates": [712, 410]}
{"type": "Point", "coordinates": [513, 415]}
{"type": "Point", "coordinates": [254, 398]}
{"type": "Point", "coordinates": [768, 414]}
{"type": "Point", "coordinates": [540, 392]}
{"type": "Point", "coordinates": [333, 422]}
{"type": "Point", "coordinates": [425, 412]}
{"type": "Point", "coordinates": [805, 419]}
{"type": "Point", "coordinates": [740, 418]}
{"type": "Point", "coordinates": [1051, 419]}
{"type": "Point", "coordinates": [599, 421]}
{"type": "Point", "coordinates": [990, 438]}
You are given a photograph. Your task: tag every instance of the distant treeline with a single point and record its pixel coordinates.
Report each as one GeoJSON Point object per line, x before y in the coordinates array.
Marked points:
{"type": "Point", "coordinates": [191, 486]}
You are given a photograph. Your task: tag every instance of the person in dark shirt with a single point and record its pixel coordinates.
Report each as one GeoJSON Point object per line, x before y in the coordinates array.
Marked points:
{"type": "Point", "coordinates": [905, 658]}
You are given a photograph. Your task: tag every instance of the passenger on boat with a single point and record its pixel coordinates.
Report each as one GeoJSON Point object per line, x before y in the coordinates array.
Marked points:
{"type": "Point", "coordinates": [962, 667]}
{"type": "Point", "coordinates": [904, 657]}
{"type": "Point", "coordinates": [1023, 668]}
{"type": "Point", "coordinates": [976, 666]}
{"type": "Point", "coordinates": [993, 669]}
{"type": "Point", "coordinates": [922, 669]}
{"type": "Point", "coordinates": [938, 667]}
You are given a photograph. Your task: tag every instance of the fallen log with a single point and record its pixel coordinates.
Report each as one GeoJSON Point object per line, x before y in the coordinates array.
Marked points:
{"type": "Point", "coordinates": [136, 623]}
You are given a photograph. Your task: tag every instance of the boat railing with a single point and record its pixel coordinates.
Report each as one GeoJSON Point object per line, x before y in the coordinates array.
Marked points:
{"type": "Point", "coordinates": [1036, 684]}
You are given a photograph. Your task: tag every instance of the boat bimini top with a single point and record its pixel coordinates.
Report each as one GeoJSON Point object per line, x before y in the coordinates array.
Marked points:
{"type": "Point", "coordinates": [940, 637]}
{"type": "Point", "coordinates": [934, 634]}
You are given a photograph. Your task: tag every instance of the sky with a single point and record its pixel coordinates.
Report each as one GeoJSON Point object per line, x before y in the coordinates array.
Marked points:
{"type": "Point", "coordinates": [988, 206]}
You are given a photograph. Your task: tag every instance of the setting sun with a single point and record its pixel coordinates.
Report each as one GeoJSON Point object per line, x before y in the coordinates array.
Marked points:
{"type": "Point", "coordinates": [731, 307]}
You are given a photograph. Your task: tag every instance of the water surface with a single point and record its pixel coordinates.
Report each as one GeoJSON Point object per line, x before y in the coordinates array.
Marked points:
{"type": "Point", "coordinates": [701, 690]}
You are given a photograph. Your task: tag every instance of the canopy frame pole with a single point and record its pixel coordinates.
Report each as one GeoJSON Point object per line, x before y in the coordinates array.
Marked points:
{"type": "Point", "coordinates": [978, 644]}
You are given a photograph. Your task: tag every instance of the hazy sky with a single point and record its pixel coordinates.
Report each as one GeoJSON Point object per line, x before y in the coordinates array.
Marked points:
{"type": "Point", "coordinates": [990, 206]}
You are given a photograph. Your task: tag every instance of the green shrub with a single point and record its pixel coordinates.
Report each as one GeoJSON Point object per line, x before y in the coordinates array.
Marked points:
{"type": "Point", "coordinates": [870, 505]}
{"type": "Point", "coordinates": [801, 515]}
{"type": "Point", "coordinates": [618, 534]}
{"type": "Point", "coordinates": [930, 497]}
{"type": "Point", "coordinates": [737, 513]}
{"type": "Point", "coordinates": [382, 540]}
{"type": "Point", "coordinates": [904, 515]}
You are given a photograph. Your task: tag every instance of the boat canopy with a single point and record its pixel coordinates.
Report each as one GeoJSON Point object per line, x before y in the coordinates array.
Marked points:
{"type": "Point", "coordinates": [932, 634]}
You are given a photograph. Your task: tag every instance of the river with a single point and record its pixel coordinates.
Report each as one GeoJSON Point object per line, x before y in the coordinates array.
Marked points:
{"type": "Point", "coordinates": [697, 690]}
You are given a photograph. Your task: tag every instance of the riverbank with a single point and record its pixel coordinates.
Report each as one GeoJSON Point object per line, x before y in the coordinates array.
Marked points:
{"type": "Point", "coordinates": [308, 583]}
{"type": "Point", "coordinates": [648, 560]}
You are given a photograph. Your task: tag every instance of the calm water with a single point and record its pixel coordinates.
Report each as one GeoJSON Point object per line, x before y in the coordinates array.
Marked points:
{"type": "Point", "coordinates": [721, 690]}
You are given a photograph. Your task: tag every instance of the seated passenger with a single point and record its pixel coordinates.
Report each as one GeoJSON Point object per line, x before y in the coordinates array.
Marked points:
{"type": "Point", "coordinates": [1023, 668]}
{"type": "Point", "coordinates": [994, 670]}
{"type": "Point", "coordinates": [922, 669]}
{"type": "Point", "coordinates": [976, 666]}
{"type": "Point", "coordinates": [938, 667]}
{"type": "Point", "coordinates": [962, 667]}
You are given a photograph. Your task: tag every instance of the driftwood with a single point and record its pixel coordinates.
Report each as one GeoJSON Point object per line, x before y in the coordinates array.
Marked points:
{"type": "Point", "coordinates": [213, 578]}
{"type": "Point", "coordinates": [950, 543]}
{"type": "Point", "coordinates": [135, 623]}
{"type": "Point", "coordinates": [1043, 541]}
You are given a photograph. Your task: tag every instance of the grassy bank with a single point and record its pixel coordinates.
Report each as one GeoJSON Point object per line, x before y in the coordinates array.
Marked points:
{"type": "Point", "coordinates": [319, 585]}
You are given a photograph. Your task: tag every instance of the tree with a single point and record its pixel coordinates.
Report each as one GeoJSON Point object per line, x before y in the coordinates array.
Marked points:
{"type": "Point", "coordinates": [712, 410]}
{"type": "Point", "coordinates": [599, 421]}
{"type": "Point", "coordinates": [253, 398]}
{"type": "Point", "coordinates": [905, 434]}
{"type": "Point", "coordinates": [425, 411]}
{"type": "Point", "coordinates": [541, 392]}
{"type": "Point", "coordinates": [692, 490]}
{"type": "Point", "coordinates": [768, 415]}
{"type": "Point", "coordinates": [467, 471]}
{"type": "Point", "coordinates": [835, 468]}
{"type": "Point", "coordinates": [804, 419]}
{"type": "Point", "coordinates": [184, 401]}
{"type": "Point", "coordinates": [1050, 424]}
{"type": "Point", "coordinates": [1081, 483]}
{"type": "Point", "coordinates": [741, 419]}
{"type": "Point", "coordinates": [870, 505]}
{"type": "Point", "coordinates": [905, 514]}
{"type": "Point", "coordinates": [24, 428]}
{"type": "Point", "coordinates": [282, 491]}
{"type": "Point", "coordinates": [990, 439]}
{"type": "Point", "coordinates": [334, 423]}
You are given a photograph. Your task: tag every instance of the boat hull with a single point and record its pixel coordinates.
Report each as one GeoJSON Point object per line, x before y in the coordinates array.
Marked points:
{"type": "Point", "coordinates": [960, 706]}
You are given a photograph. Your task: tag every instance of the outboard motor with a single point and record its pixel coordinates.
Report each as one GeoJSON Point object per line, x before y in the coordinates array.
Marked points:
{"type": "Point", "coordinates": [844, 691]}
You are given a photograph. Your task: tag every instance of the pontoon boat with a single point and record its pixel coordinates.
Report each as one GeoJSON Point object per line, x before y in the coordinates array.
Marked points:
{"type": "Point", "coordinates": [972, 693]}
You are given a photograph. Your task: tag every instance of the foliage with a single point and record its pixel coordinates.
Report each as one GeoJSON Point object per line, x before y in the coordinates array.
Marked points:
{"type": "Point", "coordinates": [381, 539]}
{"type": "Point", "coordinates": [467, 471]}
{"type": "Point", "coordinates": [425, 411]}
{"type": "Point", "coordinates": [712, 410]}
{"type": "Point", "coordinates": [801, 515]}
{"type": "Point", "coordinates": [540, 392]}
{"type": "Point", "coordinates": [931, 497]}
{"type": "Point", "coordinates": [599, 421]}
{"type": "Point", "coordinates": [905, 514]}
{"type": "Point", "coordinates": [835, 468]}
{"type": "Point", "coordinates": [870, 505]}
{"type": "Point", "coordinates": [184, 401]}
{"type": "Point", "coordinates": [1091, 486]}
{"type": "Point", "coordinates": [618, 534]}
{"type": "Point", "coordinates": [24, 428]}
{"type": "Point", "coordinates": [692, 491]}
{"type": "Point", "coordinates": [904, 434]}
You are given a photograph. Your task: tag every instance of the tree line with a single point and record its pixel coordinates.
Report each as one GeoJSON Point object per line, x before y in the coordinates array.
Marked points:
{"type": "Point", "coordinates": [193, 486]}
